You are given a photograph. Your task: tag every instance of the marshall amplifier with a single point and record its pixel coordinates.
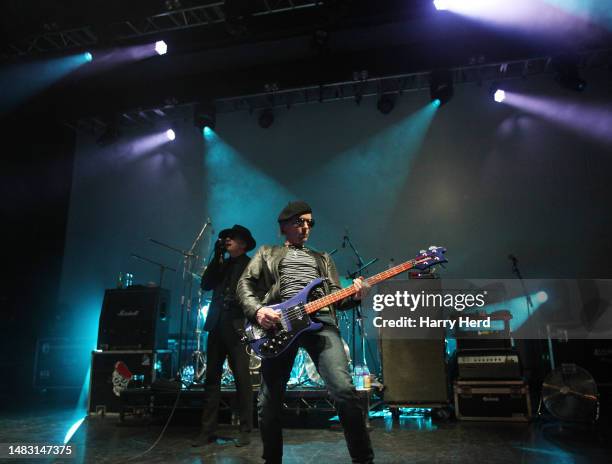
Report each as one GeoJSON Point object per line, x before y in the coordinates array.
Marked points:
{"type": "Point", "coordinates": [134, 318]}
{"type": "Point", "coordinates": [489, 364]}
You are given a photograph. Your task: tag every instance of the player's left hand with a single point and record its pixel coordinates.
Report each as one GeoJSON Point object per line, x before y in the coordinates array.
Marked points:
{"type": "Point", "coordinates": [362, 288]}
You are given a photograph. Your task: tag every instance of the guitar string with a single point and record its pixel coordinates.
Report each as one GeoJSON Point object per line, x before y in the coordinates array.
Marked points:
{"type": "Point", "coordinates": [343, 293]}
{"type": "Point", "coordinates": [374, 279]}
{"type": "Point", "coordinates": [330, 299]}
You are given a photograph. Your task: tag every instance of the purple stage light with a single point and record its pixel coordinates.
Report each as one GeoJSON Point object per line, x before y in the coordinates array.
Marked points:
{"type": "Point", "coordinates": [160, 47]}
{"type": "Point", "coordinates": [585, 119]}
{"type": "Point", "coordinates": [170, 134]}
{"type": "Point", "coordinates": [537, 17]}
{"type": "Point", "coordinates": [499, 95]}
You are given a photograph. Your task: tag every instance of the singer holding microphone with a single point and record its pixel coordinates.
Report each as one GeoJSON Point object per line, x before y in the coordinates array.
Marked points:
{"type": "Point", "coordinates": [224, 321]}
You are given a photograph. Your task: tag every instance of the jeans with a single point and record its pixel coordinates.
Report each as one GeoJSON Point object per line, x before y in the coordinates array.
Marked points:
{"type": "Point", "coordinates": [327, 352]}
{"type": "Point", "coordinates": [224, 341]}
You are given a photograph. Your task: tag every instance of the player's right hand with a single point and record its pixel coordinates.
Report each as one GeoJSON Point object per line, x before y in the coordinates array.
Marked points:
{"type": "Point", "coordinates": [267, 317]}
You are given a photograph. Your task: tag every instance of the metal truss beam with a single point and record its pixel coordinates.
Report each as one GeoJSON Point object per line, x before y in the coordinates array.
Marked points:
{"type": "Point", "coordinates": [51, 41]}
{"type": "Point", "coordinates": [174, 20]}
{"type": "Point", "coordinates": [362, 86]}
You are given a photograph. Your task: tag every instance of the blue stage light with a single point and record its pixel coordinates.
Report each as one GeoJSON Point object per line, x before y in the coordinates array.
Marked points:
{"type": "Point", "coordinates": [72, 430]}
{"type": "Point", "coordinates": [88, 56]}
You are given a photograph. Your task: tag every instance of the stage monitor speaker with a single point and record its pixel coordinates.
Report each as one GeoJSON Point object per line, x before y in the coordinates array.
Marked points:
{"type": "Point", "coordinates": [134, 318]}
{"type": "Point", "coordinates": [414, 371]}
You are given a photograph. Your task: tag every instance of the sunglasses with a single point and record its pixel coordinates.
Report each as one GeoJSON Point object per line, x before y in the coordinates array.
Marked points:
{"type": "Point", "coordinates": [301, 222]}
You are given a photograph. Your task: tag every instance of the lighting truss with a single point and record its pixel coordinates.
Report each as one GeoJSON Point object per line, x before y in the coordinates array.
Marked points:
{"type": "Point", "coordinates": [51, 41]}
{"type": "Point", "coordinates": [364, 86]}
{"type": "Point", "coordinates": [179, 19]}
{"type": "Point", "coordinates": [399, 84]}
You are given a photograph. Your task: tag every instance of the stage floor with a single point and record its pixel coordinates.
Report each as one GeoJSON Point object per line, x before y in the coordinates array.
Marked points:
{"type": "Point", "coordinates": [409, 440]}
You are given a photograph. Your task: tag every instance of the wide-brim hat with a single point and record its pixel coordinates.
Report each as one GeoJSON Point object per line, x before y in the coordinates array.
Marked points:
{"type": "Point", "coordinates": [294, 208]}
{"type": "Point", "coordinates": [240, 232]}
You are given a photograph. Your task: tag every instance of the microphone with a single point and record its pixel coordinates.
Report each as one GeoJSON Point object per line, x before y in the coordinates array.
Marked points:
{"type": "Point", "coordinates": [512, 258]}
{"type": "Point", "coordinates": [345, 238]}
{"type": "Point", "coordinates": [219, 245]}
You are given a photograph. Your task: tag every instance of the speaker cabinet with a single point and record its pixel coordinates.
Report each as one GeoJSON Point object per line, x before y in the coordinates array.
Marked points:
{"type": "Point", "coordinates": [113, 372]}
{"type": "Point", "coordinates": [61, 362]}
{"type": "Point", "coordinates": [134, 318]}
{"type": "Point", "coordinates": [414, 371]}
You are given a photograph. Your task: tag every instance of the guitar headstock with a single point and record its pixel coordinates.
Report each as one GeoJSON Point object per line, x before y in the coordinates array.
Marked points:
{"type": "Point", "coordinates": [430, 257]}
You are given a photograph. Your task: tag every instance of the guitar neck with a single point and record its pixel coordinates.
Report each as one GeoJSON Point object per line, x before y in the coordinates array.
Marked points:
{"type": "Point", "coordinates": [332, 298]}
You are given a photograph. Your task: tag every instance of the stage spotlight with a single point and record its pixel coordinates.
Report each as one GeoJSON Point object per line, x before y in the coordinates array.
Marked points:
{"type": "Point", "coordinates": [204, 116]}
{"type": "Point", "coordinates": [542, 297]}
{"type": "Point", "coordinates": [441, 85]}
{"type": "Point", "coordinates": [266, 118]}
{"type": "Point", "coordinates": [385, 104]}
{"type": "Point", "coordinates": [160, 47]}
{"type": "Point", "coordinates": [88, 56]}
{"type": "Point", "coordinates": [499, 95]}
{"type": "Point", "coordinates": [436, 103]}
{"type": "Point", "coordinates": [441, 4]}
{"type": "Point", "coordinates": [170, 134]}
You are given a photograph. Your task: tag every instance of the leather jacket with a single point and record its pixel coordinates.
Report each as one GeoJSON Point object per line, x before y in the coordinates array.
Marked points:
{"type": "Point", "coordinates": [222, 276]}
{"type": "Point", "coordinates": [259, 285]}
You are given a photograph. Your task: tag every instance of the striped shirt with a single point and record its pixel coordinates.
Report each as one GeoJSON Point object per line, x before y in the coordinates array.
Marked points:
{"type": "Point", "coordinates": [297, 270]}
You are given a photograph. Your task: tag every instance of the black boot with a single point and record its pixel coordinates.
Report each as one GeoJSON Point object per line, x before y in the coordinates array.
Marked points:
{"type": "Point", "coordinates": [203, 439]}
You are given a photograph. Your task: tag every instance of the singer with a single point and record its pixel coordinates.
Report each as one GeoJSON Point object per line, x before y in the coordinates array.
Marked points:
{"type": "Point", "coordinates": [275, 274]}
{"type": "Point", "coordinates": [225, 319]}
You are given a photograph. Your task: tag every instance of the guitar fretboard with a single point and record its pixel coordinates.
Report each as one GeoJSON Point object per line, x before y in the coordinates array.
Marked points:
{"type": "Point", "coordinates": [332, 298]}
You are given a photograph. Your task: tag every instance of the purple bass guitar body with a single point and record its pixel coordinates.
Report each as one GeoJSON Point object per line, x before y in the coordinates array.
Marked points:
{"type": "Point", "coordinates": [294, 321]}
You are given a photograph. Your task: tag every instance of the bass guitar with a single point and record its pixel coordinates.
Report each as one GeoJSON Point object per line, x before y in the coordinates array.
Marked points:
{"type": "Point", "coordinates": [295, 312]}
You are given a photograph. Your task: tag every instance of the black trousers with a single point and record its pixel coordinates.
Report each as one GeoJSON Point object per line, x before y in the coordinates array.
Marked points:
{"type": "Point", "coordinates": [327, 352]}
{"type": "Point", "coordinates": [224, 342]}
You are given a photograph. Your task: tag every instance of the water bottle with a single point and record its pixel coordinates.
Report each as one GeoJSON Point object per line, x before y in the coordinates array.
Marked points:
{"type": "Point", "coordinates": [365, 372]}
{"type": "Point", "coordinates": [358, 377]}
{"type": "Point", "coordinates": [120, 280]}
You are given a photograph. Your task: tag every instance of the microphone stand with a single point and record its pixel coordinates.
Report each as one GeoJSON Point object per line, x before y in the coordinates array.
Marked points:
{"type": "Point", "coordinates": [189, 257]}
{"type": "Point", "coordinates": [357, 315]}
{"type": "Point", "coordinates": [162, 267]}
{"type": "Point", "coordinates": [538, 346]}
{"type": "Point", "coordinates": [517, 272]}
